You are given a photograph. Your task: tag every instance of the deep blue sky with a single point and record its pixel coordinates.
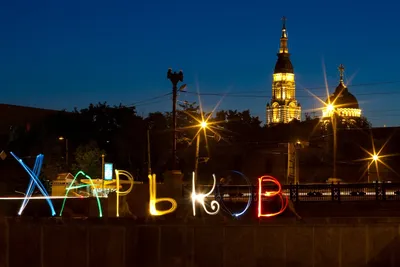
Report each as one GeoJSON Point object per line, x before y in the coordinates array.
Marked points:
{"type": "Point", "coordinates": [65, 54]}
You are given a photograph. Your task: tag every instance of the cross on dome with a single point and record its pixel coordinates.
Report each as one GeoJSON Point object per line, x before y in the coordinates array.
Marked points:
{"type": "Point", "coordinates": [341, 71]}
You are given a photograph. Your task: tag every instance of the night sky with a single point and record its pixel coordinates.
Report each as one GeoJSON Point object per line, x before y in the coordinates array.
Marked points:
{"type": "Point", "coordinates": [65, 54]}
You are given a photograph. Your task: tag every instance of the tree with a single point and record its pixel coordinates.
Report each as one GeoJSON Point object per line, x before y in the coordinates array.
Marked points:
{"type": "Point", "coordinates": [160, 141]}
{"type": "Point", "coordinates": [238, 126]}
{"type": "Point", "coordinates": [307, 116]}
{"type": "Point", "coordinates": [187, 118]}
{"type": "Point", "coordinates": [88, 160]}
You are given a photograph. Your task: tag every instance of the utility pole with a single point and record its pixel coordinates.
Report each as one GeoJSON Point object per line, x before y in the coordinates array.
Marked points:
{"type": "Point", "coordinates": [102, 173]}
{"type": "Point", "coordinates": [148, 153]}
{"type": "Point", "coordinates": [175, 78]}
{"type": "Point", "coordinates": [66, 153]}
{"type": "Point", "coordinates": [61, 138]}
{"type": "Point", "coordinates": [334, 131]}
{"type": "Point", "coordinates": [196, 164]}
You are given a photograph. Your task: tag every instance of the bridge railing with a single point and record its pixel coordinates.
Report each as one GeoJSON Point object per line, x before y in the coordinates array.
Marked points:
{"type": "Point", "coordinates": [337, 192]}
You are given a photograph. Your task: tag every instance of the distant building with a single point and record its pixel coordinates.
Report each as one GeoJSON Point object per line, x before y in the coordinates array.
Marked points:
{"type": "Point", "coordinates": [13, 116]}
{"type": "Point", "coordinates": [341, 102]}
{"type": "Point", "coordinates": [283, 107]}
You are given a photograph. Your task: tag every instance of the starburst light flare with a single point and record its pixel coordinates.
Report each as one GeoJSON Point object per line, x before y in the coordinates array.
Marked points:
{"type": "Point", "coordinates": [376, 157]}
{"type": "Point", "coordinates": [329, 108]}
{"type": "Point", "coordinates": [204, 122]}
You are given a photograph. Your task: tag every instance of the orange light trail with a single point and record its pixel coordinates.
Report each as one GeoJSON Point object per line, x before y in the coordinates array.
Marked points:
{"type": "Point", "coordinates": [270, 194]}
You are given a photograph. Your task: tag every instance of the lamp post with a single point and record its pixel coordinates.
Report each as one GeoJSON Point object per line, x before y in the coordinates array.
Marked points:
{"type": "Point", "coordinates": [203, 126]}
{"type": "Point", "coordinates": [61, 138]}
{"type": "Point", "coordinates": [102, 172]}
{"type": "Point", "coordinates": [148, 153]}
{"type": "Point", "coordinates": [175, 78]}
{"type": "Point", "coordinates": [334, 145]}
{"type": "Point", "coordinates": [375, 159]}
{"type": "Point", "coordinates": [330, 108]}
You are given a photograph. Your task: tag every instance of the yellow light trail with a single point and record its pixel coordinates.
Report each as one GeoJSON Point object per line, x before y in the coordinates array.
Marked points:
{"type": "Point", "coordinates": [154, 200]}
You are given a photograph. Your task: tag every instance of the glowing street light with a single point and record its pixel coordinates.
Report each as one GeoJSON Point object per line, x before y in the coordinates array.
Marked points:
{"type": "Point", "coordinates": [328, 111]}
{"type": "Point", "coordinates": [376, 157]}
{"type": "Point", "coordinates": [203, 124]}
{"type": "Point", "coordinates": [61, 138]}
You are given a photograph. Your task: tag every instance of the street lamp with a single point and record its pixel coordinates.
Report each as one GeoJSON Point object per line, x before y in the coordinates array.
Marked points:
{"type": "Point", "coordinates": [376, 156]}
{"type": "Point", "coordinates": [61, 138]}
{"type": "Point", "coordinates": [102, 173]}
{"type": "Point", "coordinates": [330, 108]}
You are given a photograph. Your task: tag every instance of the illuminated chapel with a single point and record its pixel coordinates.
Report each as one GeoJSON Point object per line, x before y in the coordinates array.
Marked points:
{"type": "Point", "coordinates": [283, 107]}
{"type": "Point", "coordinates": [341, 102]}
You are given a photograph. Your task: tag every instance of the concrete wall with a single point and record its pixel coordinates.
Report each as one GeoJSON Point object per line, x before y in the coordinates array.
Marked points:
{"type": "Point", "coordinates": [50, 243]}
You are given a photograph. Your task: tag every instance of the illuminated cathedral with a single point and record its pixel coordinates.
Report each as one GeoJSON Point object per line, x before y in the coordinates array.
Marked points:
{"type": "Point", "coordinates": [341, 102]}
{"type": "Point", "coordinates": [283, 107]}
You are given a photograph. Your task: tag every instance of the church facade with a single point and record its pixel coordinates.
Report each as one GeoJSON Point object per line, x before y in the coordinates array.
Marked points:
{"type": "Point", "coordinates": [283, 107]}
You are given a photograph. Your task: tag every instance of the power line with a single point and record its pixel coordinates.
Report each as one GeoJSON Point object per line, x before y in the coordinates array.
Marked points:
{"type": "Point", "coordinates": [158, 99]}
{"type": "Point", "coordinates": [249, 94]}
{"type": "Point", "coordinates": [150, 103]}
{"type": "Point", "coordinates": [355, 85]}
{"type": "Point", "coordinates": [245, 94]}
{"type": "Point", "coordinates": [150, 99]}
{"type": "Point", "coordinates": [267, 96]}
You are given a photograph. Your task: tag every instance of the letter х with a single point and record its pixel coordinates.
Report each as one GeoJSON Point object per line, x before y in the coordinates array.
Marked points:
{"type": "Point", "coordinates": [34, 174]}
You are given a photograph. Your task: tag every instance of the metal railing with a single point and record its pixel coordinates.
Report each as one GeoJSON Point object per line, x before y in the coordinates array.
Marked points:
{"type": "Point", "coordinates": [306, 192]}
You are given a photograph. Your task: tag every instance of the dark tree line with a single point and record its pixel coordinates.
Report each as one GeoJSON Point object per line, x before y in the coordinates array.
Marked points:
{"type": "Point", "coordinates": [120, 134]}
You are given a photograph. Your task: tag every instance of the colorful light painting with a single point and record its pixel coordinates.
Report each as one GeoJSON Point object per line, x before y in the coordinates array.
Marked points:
{"type": "Point", "coordinates": [122, 193]}
{"type": "Point", "coordinates": [34, 174]}
{"type": "Point", "coordinates": [195, 197]}
{"type": "Point", "coordinates": [249, 200]}
{"type": "Point", "coordinates": [154, 200]}
{"type": "Point", "coordinates": [71, 187]}
{"type": "Point", "coordinates": [201, 197]}
{"type": "Point", "coordinates": [270, 194]}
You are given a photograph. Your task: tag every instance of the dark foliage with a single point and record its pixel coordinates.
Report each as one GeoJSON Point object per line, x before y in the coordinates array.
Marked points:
{"type": "Point", "coordinates": [122, 136]}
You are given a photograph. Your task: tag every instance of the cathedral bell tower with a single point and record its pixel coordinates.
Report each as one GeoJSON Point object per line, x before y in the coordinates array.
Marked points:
{"type": "Point", "coordinates": [283, 107]}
